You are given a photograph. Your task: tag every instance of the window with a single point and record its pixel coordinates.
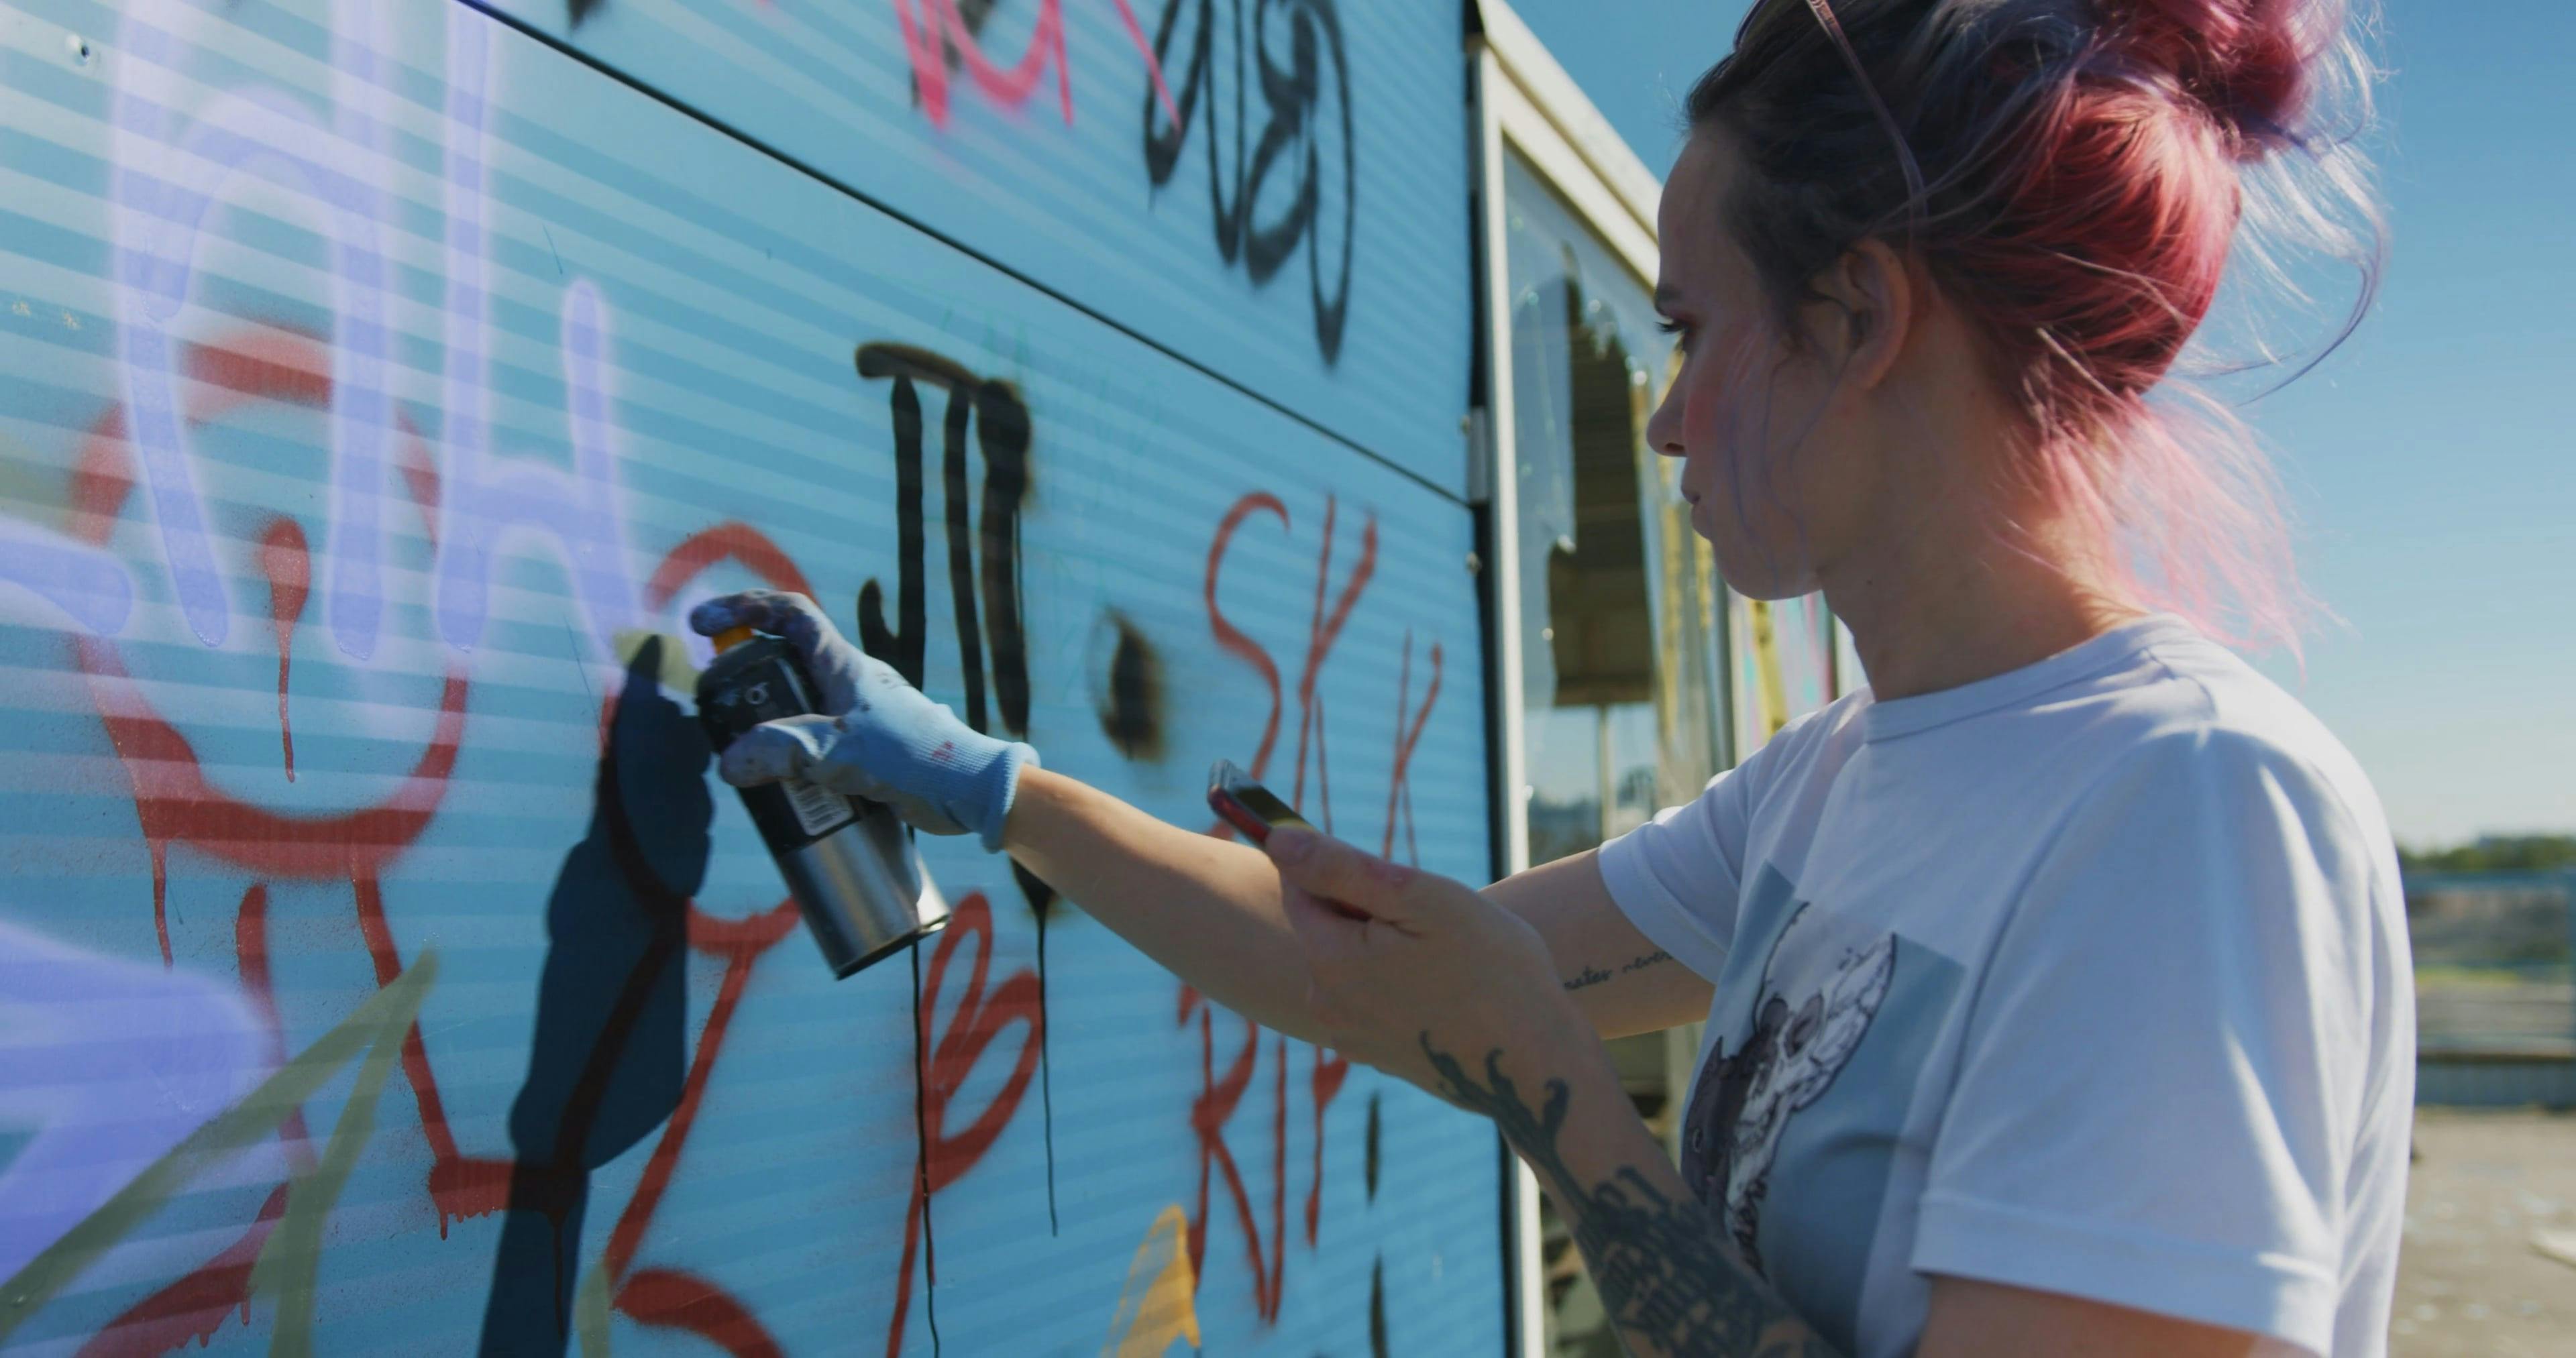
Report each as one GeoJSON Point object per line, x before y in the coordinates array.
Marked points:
{"type": "Point", "coordinates": [1615, 598]}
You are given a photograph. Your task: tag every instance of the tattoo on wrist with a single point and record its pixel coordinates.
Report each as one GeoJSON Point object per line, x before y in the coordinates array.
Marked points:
{"type": "Point", "coordinates": [1666, 1273]}
{"type": "Point", "coordinates": [1592, 976]}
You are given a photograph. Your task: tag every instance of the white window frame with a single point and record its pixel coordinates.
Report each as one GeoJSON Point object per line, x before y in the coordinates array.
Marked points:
{"type": "Point", "coordinates": [1528, 105]}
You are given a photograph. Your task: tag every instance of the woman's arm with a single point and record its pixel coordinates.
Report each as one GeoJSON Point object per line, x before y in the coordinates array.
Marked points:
{"type": "Point", "coordinates": [1669, 1278]}
{"type": "Point", "coordinates": [1206, 908]}
{"type": "Point", "coordinates": [1435, 985]}
{"type": "Point", "coordinates": [1620, 981]}
{"type": "Point", "coordinates": [1209, 911]}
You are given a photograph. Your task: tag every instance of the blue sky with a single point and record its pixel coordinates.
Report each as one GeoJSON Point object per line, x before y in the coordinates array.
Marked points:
{"type": "Point", "coordinates": [2428, 461]}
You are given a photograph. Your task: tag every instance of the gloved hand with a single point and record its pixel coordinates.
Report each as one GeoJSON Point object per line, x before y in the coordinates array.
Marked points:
{"type": "Point", "coordinates": [877, 736]}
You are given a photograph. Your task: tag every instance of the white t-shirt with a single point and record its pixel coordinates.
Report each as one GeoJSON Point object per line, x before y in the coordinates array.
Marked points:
{"type": "Point", "coordinates": [2091, 978]}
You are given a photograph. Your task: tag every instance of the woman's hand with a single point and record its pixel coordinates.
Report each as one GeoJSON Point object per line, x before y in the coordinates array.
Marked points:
{"type": "Point", "coordinates": [877, 737]}
{"type": "Point", "coordinates": [1407, 964]}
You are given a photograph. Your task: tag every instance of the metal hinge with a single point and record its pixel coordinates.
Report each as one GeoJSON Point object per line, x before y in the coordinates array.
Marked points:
{"type": "Point", "coordinates": [1477, 427]}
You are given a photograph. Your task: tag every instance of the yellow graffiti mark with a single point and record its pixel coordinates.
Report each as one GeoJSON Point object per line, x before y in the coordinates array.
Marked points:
{"type": "Point", "coordinates": [32, 490]}
{"type": "Point", "coordinates": [1766, 665]}
{"type": "Point", "coordinates": [590, 1311]}
{"type": "Point", "coordinates": [287, 1261]}
{"type": "Point", "coordinates": [1155, 1308]}
{"type": "Point", "coordinates": [71, 321]}
{"type": "Point", "coordinates": [20, 306]}
{"type": "Point", "coordinates": [676, 674]}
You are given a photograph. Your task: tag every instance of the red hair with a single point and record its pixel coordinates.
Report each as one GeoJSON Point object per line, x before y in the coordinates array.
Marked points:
{"type": "Point", "coordinates": [2073, 175]}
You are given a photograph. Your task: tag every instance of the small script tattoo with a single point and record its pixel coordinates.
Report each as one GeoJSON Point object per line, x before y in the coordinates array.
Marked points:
{"type": "Point", "coordinates": [1592, 976]}
{"type": "Point", "coordinates": [1589, 976]}
{"type": "Point", "coordinates": [1664, 1269]}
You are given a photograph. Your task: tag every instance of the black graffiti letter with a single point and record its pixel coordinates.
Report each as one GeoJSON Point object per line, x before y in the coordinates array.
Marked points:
{"type": "Point", "coordinates": [1290, 91]}
{"type": "Point", "coordinates": [1002, 432]}
{"type": "Point", "coordinates": [899, 646]}
{"type": "Point", "coordinates": [1001, 422]}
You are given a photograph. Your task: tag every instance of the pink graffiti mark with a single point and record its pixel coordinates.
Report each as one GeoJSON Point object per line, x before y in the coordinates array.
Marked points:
{"type": "Point", "coordinates": [1209, 1113]}
{"type": "Point", "coordinates": [175, 803]}
{"type": "Point", "coordinates": [173, 798]}
{"type": "Point", "coordinates": [1321, 634]}
{"type": "Point", "coordinates": [1218, 1099]}
{"type": "Point", "coordinates": [1399, 786]}
{"type": "Point", "coordinates": [730, 541]}
{"type": "Point", "coordinates": [673, 1300]}
{"type": "Point", "coordinates": [194, 1307]}
{"type": "Point", "coordinates": [289, 568]}
{"type": "Point", "coordinates": [1332, 1070]}
{"type": "Point", "coordinates": [669, 1298]}
{"type": "Point", "coordinates": [951, 1057]}
{"type": "Point", "coordinates": [939, 31]}
{"type": "Point", "coordinates": [1232, 639]}
{"type": "Point", "coordinates": [460, 1186]}
{"type": "Point", "coordinates": [662, 1297]}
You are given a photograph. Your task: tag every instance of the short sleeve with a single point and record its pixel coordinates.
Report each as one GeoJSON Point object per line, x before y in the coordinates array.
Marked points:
{"type": "Point", "coordinates": [2162, 1076]}
{"type": "Point", "coordinates": [1676, 877]}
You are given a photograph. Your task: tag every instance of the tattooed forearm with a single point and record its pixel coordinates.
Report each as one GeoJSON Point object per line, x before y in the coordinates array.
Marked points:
{"type": "Point", "coordinates": [1671, 1283]}
{"type": "Point", "coordinates": [1592, 976]}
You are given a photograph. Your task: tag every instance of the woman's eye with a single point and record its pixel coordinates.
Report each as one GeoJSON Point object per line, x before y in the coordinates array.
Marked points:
{"type": "Point", "coordinates": [1679, 330]}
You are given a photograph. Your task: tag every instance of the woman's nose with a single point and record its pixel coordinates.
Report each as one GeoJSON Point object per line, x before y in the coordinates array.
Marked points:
{"type": "Point", "coordinates": [1664, 427]}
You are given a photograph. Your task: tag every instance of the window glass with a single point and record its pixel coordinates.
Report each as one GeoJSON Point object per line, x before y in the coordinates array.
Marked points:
{"type": "Point", "coordinates": [1787, 663]}
{"type": "Point", "coordinates": [1618, 655]}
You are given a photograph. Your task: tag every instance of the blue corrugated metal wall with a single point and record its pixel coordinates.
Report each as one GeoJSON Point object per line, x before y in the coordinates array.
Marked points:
{"type": "Point", "coordinates": [380, 383]}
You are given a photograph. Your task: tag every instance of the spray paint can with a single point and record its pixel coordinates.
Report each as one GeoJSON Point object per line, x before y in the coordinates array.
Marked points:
{"type": "Point", "coordinates": [849, 862]}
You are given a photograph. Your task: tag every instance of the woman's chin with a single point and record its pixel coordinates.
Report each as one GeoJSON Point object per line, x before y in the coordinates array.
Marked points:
{"type": "Point", "coordinates": [1749, 572]}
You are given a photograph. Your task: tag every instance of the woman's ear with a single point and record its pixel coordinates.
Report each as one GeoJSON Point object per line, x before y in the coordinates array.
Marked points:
{"type": "Point", "coordinates": [1870, 297]}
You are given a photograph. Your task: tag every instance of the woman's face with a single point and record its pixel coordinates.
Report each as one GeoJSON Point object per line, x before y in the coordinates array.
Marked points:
{"type": "Point", "coordinates": [1767, 466]}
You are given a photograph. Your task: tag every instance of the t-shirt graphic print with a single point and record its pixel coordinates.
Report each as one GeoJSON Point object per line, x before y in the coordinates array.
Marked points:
{"type": "Point", "coordinates": [1800, 1039]}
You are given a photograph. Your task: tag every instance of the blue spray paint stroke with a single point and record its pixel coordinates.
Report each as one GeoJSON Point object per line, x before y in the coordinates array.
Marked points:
{"type": "Point", "coordinates": [149, 291]}
{"type": "Point", "coordinates": [589, 522]}
{"type": "Point", "coordinates": [361, 405]}
{"type": "Point", "coordinates": [115, 1062]}
{"type": "Point", "coordinates": [87, 584]}
{"type": "Point", "coordinates": [483, 501]}
{"type": "Point", "coordinates": [463, 590]}
{"type": "Point", "coordinates": [160, 210]}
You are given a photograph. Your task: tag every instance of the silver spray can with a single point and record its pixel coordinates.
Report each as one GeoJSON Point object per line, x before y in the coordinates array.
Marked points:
{"type": "Point", "coordinates": [849, 862]}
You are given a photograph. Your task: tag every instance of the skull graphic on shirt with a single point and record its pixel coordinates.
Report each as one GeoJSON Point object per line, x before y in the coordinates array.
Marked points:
{"type": "Point", "coordinates": [1803, 1028]}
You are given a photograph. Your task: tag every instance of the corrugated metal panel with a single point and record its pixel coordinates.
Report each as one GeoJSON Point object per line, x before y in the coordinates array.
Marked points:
{"type": "Point", "coordinates": [445, 374]}
{"type": "Point", "coordinates": [1032, 131]}
{"type": "Point", "coordinates": [2495, 1082]}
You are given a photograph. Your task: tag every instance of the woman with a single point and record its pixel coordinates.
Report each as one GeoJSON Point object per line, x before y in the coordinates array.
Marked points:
{"type": "Point", "coordinates": [2057, 983]}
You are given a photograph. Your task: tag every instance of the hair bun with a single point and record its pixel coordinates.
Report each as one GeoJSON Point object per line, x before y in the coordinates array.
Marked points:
{"type": "Point", "coordinates": [2241, 59]}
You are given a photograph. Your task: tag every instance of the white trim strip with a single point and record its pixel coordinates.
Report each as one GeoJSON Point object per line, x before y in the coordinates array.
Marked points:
{"type": "Point", "coordinates": [1538, 141]}
{"type": "Point", "coordinates": [1561, 102]}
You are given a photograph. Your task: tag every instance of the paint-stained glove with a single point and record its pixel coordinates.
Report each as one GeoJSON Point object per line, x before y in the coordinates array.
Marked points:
{"type": "Point", "coordinates": [877, 736]}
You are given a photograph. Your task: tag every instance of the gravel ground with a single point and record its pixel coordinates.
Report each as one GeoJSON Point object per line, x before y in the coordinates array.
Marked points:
{"type": "Point", "coordinates": [2469, 1280]}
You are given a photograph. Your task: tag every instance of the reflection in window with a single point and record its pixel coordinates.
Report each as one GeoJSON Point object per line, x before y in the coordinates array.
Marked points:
{"type": "Point", "coordinates": [1789, 662]}
{"type": "Point", "coordinates": [1617, 656]}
